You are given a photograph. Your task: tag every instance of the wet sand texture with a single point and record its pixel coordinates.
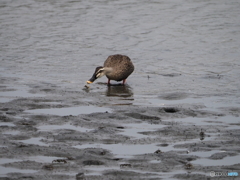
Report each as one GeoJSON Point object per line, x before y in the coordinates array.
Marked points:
{"type": "Point", "coordinates": [177, 117]}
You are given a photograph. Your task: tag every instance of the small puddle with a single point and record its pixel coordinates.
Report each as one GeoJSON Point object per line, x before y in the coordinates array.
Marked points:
{"type": "Point", "coordinates": [135, 129]}
{"type": "Point", "coordinates": [35, 141]}
{"type": "Point", "coordinates": [130, 150]}
{"type": "Point", "coordinates": [6, 170]}
{"type": "Point", "coordinates": [7, 124]}
{"type": "Point", "coordinates": [124, 150]}
{"type": "Point", "coordinates": [64, 126]}
{"type": "Point", "coordinates": [74, 111]}
{"type": "Point", "coordinates": [43, 159]}
{"type": "Point", "coordinates": [227, 161]}
{"type": "Point", "coordinates": [204, 154]}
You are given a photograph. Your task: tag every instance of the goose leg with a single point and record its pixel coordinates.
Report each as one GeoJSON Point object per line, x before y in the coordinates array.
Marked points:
{"type": "Point", "coordinates": [124, 81]}
{"type": "Point", "coordinates": [108, 82]}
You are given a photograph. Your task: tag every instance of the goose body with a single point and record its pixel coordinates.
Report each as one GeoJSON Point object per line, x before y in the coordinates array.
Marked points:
{"type": "Point", "coordinates": [116, 67]}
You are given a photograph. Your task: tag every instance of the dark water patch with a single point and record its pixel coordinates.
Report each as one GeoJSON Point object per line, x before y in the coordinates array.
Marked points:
{"type": "Point", "coordinates": [47, 90]}
{"type": "Point", "coordinates": [120, 127]}
{"type": "Point", "coordinates": [80, 176]}
{"type": "Point", "coordinates": [2, 87]}
{"type": "Point", "coordinates": [163, 145]}
{"type": "Point", "coordinates": [92, 162]}
{"type": "Point", "coordinates": [5, 118]}
{"type": "Point", "coordinates": [170, 109]}
{"type": "Point", "coordinates": [125, 165]}
{"type": "Point", "coordinates": [117, 159]}
{"type": "Point", "coordinates": [5, 89]}
{"type": "Point", "coordinates": [4, 109]}
{"type": "Point", "coordinates": [122, 104]}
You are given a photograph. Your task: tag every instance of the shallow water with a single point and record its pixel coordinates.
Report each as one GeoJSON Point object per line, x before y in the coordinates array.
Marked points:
{"type": "Point", "coordinates": [6, 170]}
{"type": "Point", "coordinates": [74, 111]}
{"type": "Point", "coordinates": [7, 124]}
{"type": "Point", "coordinates": [64, 126]}
{"type": "Point", "coordinates": [180, 45]}
{"type": "Point", "coordinates": [19, 93]}
{"type": "Point", "coordinates": [123, 150]}
{"type": "Point", "coordinates": [36, 141]}
{"type": "Point", "coordinates": [130, 150]}
{"type": "Point", "coordinates": [134, 130]}
{"type": "Point", "coordinates": [226, 161]}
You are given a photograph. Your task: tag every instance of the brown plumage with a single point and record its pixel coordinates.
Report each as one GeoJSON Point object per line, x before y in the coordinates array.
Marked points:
{"type": "Point", "coordinates": [122, 67]}
{"type": "Point", "coordinates": [116, 67]}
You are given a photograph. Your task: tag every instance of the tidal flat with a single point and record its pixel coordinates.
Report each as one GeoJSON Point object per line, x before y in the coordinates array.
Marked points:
{"type": "Point", "coordinates": [176, 118]}
{"type": "Point", "coordinates": [55, 133]}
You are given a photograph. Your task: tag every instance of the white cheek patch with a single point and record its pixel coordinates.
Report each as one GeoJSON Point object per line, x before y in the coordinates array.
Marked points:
{"type": "Point", "coordinates": [98, 75]}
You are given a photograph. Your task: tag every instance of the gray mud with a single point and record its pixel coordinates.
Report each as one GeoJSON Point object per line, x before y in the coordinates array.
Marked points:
{"type": "Point", "coordinates": [120, 141]}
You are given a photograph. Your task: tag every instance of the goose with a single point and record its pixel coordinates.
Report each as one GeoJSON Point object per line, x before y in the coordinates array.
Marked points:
{"type": "Point", "coordinates": [116, 67]}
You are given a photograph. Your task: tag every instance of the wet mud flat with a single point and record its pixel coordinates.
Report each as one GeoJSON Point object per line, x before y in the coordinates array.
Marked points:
{"type": "Point", "coordinates": [51, 132]}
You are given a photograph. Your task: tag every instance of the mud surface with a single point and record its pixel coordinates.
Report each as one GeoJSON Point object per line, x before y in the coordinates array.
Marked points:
{"type": "Point", "coordinates": [56, 133]}
{"type": "Point", "coordinates": [176, 118]}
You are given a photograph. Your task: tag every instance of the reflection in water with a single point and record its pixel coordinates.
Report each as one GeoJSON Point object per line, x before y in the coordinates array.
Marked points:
{"type": "Point", "coordinates": [119, 90]}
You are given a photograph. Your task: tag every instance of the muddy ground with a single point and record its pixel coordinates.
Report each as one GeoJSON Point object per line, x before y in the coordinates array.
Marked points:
{"type": "Point", "coordinates": [177, 117]}
{"type": "Point", "coordinates": [51, 132]}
